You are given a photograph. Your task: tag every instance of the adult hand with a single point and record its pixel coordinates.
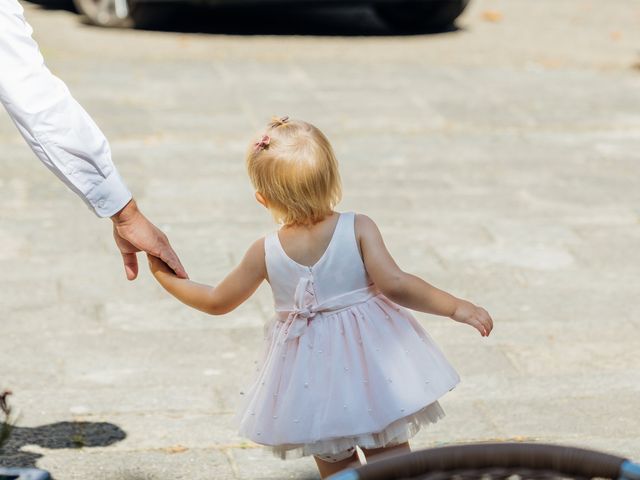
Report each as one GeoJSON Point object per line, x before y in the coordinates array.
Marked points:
{"type": "Point", "coordinates": [133, 233]}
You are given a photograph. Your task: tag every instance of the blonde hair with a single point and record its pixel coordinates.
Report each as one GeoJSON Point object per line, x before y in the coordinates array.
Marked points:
{"type": "Point", "coordinates": [294, 168]}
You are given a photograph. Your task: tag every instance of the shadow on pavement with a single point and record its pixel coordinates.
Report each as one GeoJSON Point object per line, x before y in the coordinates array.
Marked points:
{"type": "Point", "coordinates": [274, 19]}
{"type": "Point", "coordinates": [56, 436]}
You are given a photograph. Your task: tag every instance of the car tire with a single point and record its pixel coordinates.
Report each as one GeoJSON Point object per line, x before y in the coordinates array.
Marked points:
{"type": "Point", "coordinates": [421, 15]}
{"type": "Point", "coordinates": [123, 13]}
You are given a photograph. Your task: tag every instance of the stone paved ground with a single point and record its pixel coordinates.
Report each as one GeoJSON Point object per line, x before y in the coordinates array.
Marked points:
{"type": "Point", "coordinates": [501, 162]}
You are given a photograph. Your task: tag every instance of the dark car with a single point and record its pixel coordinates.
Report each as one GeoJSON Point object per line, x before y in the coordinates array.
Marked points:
{"type": "Point", "coordinates": [425, 15]}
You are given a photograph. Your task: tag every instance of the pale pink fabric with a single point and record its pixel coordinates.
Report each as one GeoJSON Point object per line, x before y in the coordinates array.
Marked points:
{"type": "Point", "coordinates": [344, 366]}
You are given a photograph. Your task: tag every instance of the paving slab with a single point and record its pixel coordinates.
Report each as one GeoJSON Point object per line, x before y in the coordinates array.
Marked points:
{"type": "Point", "coordinates": [500, 161]}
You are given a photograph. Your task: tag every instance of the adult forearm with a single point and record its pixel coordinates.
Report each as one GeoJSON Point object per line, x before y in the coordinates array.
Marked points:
{"type": "Point", "coordinates": [412, 292]}
{"type": "Point", "coordinates": [58, 130]}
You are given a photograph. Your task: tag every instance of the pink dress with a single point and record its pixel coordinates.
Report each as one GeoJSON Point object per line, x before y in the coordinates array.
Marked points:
{"type": "Point", "coordinates": [344, 366]}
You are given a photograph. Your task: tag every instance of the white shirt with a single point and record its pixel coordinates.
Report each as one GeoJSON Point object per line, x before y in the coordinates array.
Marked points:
{"type": "Point", "coordinates": [56, 127]}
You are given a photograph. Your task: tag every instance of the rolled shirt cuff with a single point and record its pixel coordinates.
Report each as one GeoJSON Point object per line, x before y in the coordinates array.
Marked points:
{"type": "Point", "coordinates": [110, 196]}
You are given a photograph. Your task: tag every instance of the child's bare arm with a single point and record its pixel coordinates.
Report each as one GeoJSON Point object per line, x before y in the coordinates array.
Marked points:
{"type": "Point", "coordinates": [411, 291]}
{"type": "Point", "coordinates": [231, 292]}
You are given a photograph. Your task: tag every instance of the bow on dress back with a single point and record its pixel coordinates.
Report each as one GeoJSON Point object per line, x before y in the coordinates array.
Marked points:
{"type": "Point", "coordinates": [305, 306]}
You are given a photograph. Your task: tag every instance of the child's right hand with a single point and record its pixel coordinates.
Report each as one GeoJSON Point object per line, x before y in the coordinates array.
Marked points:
{"type": "Point", "coordinates": [158, 267]}
{"type": "Point", "coordinates": [477, 317]}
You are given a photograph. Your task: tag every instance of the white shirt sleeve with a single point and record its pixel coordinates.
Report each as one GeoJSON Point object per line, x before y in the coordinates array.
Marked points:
{"type": "Point", "coordinates": [56, 127]}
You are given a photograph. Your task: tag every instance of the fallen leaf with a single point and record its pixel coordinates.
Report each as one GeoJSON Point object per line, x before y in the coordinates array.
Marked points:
{"type": "Point", "coordinates": [175, 449]}
{"type": "Point", "coordinates": [492, 16]}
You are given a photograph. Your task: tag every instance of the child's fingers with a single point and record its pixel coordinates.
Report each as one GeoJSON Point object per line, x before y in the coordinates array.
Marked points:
{"type": "Point", "coordinates": [488, 321]}
{"type": "Point", "coordinates": [158, 266]}
{"type": "Point", "coordinates": [477, 324]}
{"type": "Point", "coordinates": [482, 317]}
{"type": "Point", "coordinates": [155, 264]}
{"type": "Point", "coordinates": [487, 317]}
{"type": "Point", "coordinates": [486, 327]}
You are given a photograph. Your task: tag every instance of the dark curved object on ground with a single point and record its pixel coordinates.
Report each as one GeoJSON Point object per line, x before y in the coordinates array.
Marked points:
{"type": "Point", "coordinates": [23, 474]}
{"type": "Point", "coordinates": [497, 460]}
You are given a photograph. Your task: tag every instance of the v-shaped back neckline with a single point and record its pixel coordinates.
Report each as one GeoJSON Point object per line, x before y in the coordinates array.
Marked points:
{"type": "Point", "coordinates": [324, 254]}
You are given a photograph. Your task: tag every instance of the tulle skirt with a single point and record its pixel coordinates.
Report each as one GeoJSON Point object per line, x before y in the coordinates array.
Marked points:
{"type": "Point", "coordinates": [367, 376]}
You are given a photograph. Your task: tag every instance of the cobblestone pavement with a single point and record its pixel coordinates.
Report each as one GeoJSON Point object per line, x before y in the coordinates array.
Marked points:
{"type": "Point", "coordinates": [500, 160]}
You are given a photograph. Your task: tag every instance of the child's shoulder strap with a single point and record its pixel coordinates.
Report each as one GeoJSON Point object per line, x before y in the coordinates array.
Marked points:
{"type": "Point", "coordinates": [348, 224]}
{"type": "Point", "coordinates": [270, 243]}
{"type": "Point", "coordinates": [346, 232]}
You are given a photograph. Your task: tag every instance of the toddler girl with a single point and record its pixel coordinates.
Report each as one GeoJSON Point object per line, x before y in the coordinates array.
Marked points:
{"type": "Point", "coordinates": [345, 364]}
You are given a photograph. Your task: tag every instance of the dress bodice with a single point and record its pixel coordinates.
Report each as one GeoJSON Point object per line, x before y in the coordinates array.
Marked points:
{"type": "Point", "coordinates": [339, 270]}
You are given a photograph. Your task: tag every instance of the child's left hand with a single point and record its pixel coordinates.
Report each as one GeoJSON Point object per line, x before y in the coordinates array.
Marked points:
{"type": "Point", "coordinates": [158, 267]}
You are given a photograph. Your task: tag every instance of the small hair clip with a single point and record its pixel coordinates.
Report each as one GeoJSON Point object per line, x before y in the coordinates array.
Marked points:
{"type": "Point", "coordinates": [278, 121]}
{"type": "Point", "coordinates": [263, 143]}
